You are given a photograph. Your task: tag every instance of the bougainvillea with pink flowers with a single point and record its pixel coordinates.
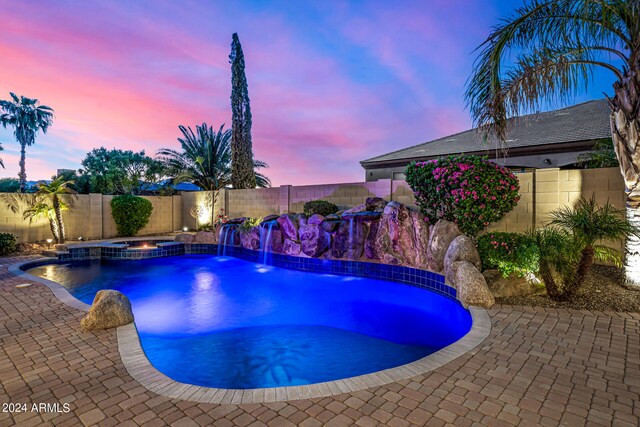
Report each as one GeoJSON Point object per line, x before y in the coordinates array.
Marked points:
{"type": "Point", "coordinates": [468, 190]}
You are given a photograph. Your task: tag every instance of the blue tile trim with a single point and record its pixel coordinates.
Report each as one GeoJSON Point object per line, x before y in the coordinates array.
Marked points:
{"type": "Point", "coordinates": [394, 273]}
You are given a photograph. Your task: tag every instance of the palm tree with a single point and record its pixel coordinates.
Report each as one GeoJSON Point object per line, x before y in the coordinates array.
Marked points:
{"type": "Point", "coordinates": [557, 44]}
{"type": "Point", "coordinates": [205, 160]}
{"type": "Point", "coordinates": [58, 191]}
{"type": "Point", "coordinates": [27, 118]}
{"type": "Point", "coordinates": [48, 202]}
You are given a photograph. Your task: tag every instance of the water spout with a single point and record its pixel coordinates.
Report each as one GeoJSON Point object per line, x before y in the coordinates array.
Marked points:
{"type": "Point", "coordinates": [266, 244]}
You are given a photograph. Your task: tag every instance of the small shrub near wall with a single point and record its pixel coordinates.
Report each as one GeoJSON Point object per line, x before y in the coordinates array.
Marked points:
{"type": "Point", "coordinates": [468, 190]}
{"type": "Point", "coordinates": [321, 207]}
{"type": "Point", "coordinates": [7, 244]}
{"type": "Point", "coordinates": [130, 213]}
{"type": "Point", "coordinates": [511, 253]}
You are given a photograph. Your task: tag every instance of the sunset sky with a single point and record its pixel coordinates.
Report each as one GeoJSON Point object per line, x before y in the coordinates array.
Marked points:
{"type": "Point", "coordinates": [331, 83]}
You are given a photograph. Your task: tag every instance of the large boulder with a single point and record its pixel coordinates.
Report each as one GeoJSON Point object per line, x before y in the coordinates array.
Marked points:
{"type": "Point", "coordinates": [420, 239]}
{"type": "Point", "coordinates": [471, 286]}
{"type": "Point", "coordinates": [185, 237]}
{"type": "Point", "coordinates": [400, 227]}
{"type": "Point", "coordinates": [355, 209]}
{"type": "Point", "coordinates": [270, 217]}
{"type": "Point", "coordinates": [330, 225]}
{"type": "Point", "coordinates": [250, 239]}
{"type": "Point", "coordinates": [349, 240]}
{"type": "Point", "coordinates": [511, 286]}
{"type": "Point", "coordinates": [206, 237]}
{"type": "Point", "coordinates": [375, 204]}
{"type": "Point", "coordinates": [313, 239]}
{"type": "Point", "coordinates": [377, 242]}
{"type": "Point", "coordinates": [462, 248]}
{"type": "Point", "coordinates": [450, 273]}
{"type": "Point", "coordinates": [442, 234]}
{"type": "Point", "coordinates": [291, 248]}
{"type": "Point", "coordinates": [315, 219]}
{"type": "Point", "coordinates": [274, 243]}
{"type": "Point", "coordinates": [110, 309]}
{"type": "Point", "coordinates": [289, 226]}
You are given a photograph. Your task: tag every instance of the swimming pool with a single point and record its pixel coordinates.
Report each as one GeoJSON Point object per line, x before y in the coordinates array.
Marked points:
{"type": "Point", "coordinates": [229, 323]}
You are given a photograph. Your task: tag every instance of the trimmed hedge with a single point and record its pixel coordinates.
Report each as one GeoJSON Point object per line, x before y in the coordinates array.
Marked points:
{"type": "Point", "coordinates": [130, 213]}
{"type": "Point", "coordinates": [509, 252]}
{"type": "Point", "coordinates": [321, 207]}
{"type": "Point", "coordinates": [7, 244]}
{"type": "Point", "coordinates": [468, 190]}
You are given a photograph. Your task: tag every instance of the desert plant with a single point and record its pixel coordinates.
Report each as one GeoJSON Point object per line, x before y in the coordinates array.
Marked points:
{"type": "Point", "coordinates": [249, 223]}
{"type": "Point", "coordinates": [321, 207]}
{"type": "Point", "coordinates": [7, 244]}
{"type": "Point", "coordinates": [130, 213]}
{"type": "Point", "coordinates": [62, 197]}
{"type": "Point", "coordinates": [547, 52]}
{"type": "Point", "coordinates": [468, 190]}
{"type": "Point", "coordinates": [511, 253]}
{"type": "Point", "coordinates": [589, 223]}
{"type": "Point", "coordinates": [26, 117]}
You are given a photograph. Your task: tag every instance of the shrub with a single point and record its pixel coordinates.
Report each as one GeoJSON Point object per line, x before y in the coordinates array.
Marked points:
{"type": "Point", "coordinates": [321, 207]}
{"type": "Point", "coordinates": [7, 244]}
{"type": "Point", "coordinates": [509, 252]}
{"type": "Point", "coordinates": [131, 213]}
{"type": "Point", "coordinates": [468, 190]}
{"type": "Point", "coordinates": [249, 223]}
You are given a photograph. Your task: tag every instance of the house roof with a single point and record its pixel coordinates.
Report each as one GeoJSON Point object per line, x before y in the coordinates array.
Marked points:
{"type": "Point", "coordinates": [582, 122]}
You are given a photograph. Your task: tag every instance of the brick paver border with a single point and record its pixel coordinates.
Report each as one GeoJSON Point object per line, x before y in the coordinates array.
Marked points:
{"type": "Point", "coordinates": [138, 366]}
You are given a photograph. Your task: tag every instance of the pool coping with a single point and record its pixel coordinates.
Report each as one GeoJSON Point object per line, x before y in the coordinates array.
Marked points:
{"type": "Point", "coordinates": [140, 368]}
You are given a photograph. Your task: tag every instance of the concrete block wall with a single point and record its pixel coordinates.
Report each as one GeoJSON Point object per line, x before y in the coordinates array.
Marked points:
{"type": "Point", "coordinates": [257, 202]}
{"type": "Point", "coordinates": [345, 196]}
{"type": "Point", "coordinates": [541, 192]}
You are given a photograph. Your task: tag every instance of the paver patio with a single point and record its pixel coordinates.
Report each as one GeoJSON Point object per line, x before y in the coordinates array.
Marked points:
{"type": "Point", "coordinates": [538, 367]}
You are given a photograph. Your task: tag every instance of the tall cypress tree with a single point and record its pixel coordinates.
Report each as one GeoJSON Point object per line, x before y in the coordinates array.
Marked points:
{"type": "Point", "coordinates": [242, 166]}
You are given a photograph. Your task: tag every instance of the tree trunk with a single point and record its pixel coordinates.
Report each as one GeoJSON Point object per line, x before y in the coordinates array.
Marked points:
{"type": "Point", "coordinates": [214, 197]}
{"type": "Point", "coordinates": [549, 281]}
{"type": "Point", "coordinates": [53, 225]}
{"type": "Point", "coordinates": [586, 261]}
{"type": "Point", "coordinates": [59, 219]}
{"type": "Point", "coordinates": [22, 175]}
{"type": "Point", "coordinates": [626, 142]}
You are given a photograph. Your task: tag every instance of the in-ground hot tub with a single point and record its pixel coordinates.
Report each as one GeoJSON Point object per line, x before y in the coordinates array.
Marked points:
{"type": "Point", "coordinates": [224, 322]}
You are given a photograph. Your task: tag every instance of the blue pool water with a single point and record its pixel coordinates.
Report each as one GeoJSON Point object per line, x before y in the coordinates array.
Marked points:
{"type": "Point", "coordinates": [225, 322]}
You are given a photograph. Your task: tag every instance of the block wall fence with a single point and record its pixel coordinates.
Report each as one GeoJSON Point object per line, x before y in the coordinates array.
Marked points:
{"type": "Point", "coordinates": [541, 192]}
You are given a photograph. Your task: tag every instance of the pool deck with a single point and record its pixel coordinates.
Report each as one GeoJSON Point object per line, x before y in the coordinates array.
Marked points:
{"type": "Point", "coordinates": [537, 367]}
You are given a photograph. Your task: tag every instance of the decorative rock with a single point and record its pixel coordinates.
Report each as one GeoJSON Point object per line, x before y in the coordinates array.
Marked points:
{"type": "Point", "coordinates": [471, 286]}
{"type": "Point", "coordinates": [450, 273]}
{"type": "Point", "coordinates": [239, 220]}
{"type": "Point", "coordinates": [314, 240]}
{"type": "Point", "coordinates": [377, 242]}
{"type": "Point", "coordinates": [302, 219]}
{"type": "Point", "coordinates": [185, 237]}
{"type": "Point", "coordinates": [60, 247]}
{"type": "Point", "coordinates": [205, 237]}
{"type": "Point", "coordinates": [349, 240]}
{"type": "Point", "coordinates": [362, 216]}
{"type": "Point", "coordinates": [332, 217]}
{"type": "Point", "coordinates": [512, 286]}
{"type": "Point", "coordinates": [375, 204]}
{"type": "Point", "coordinates": [270, 217]}
{"type": "Point", "coordinates": [356, 209]}
{"type": "Point", "coordinates": [291, 248]}
{"type": "Point", "coordinates": [289, 226]}
{"type": "Point", "coordinates": [275, 244]}
{"type": "Point", "coordinates": [315, 219]}
{"type": "Point", "coordinates": [442, 234]}
{"type": "Point", "coordinates": [462, 248]}
{"type": "Point", "coordinates": [250, 239]}
{"type": "Point", "coordinates": [420, 238]}
{"type": "Point", "coordinates": [110, 309]}
{"type": "Point", "coordinates": [330, 226]}
{"type": "Point", "coordinates": [400, 228]}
